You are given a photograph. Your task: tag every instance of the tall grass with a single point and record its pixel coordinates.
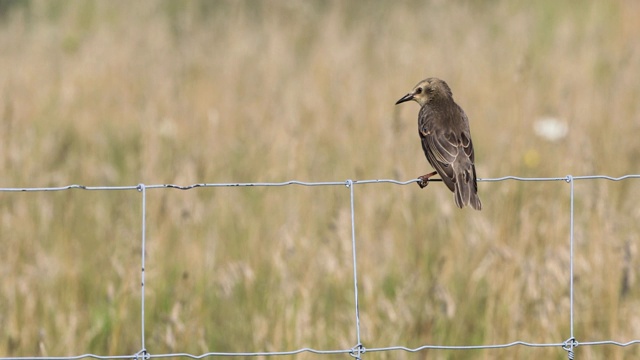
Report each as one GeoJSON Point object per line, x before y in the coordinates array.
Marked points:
{"type": "Point", "coordinates": [118, 93]}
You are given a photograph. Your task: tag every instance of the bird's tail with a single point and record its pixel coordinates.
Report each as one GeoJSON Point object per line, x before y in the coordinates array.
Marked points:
{"type": "Point", "coordinates": [466, 190]}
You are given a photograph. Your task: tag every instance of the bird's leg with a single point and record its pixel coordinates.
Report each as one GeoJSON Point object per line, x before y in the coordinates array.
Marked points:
{"type": "Point", "coordinates": [424, 179]}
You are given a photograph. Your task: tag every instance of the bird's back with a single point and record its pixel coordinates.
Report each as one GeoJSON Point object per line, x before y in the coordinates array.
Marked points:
{"type": "Point", "coordinates": [446, 142]}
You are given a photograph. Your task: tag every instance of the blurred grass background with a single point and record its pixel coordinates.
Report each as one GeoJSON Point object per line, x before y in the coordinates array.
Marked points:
{"type": "Point", "coordinates": [119, 93]}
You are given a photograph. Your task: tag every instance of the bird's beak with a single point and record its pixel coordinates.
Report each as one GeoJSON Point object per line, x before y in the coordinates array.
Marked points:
{"type": "Point", "coordinates": [407, 97]}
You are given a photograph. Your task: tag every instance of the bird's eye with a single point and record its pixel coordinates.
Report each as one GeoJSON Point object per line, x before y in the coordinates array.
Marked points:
{"type": "Point", "coordinates": [419, 91]}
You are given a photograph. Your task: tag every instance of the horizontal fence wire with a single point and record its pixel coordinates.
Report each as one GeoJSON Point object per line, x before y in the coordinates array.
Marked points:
{"type": "Point", "coordinates": [567, 178]}
{"type": "Point", "coordinates": [358, 350]}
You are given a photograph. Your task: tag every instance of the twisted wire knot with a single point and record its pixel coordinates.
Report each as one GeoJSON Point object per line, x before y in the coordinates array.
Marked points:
{"type": "Point", "coordinates": [357, 351]}
{"type": "Point", "coordinates": [568, 346]}
{"type": "Point", "coordinates": [142, 355]}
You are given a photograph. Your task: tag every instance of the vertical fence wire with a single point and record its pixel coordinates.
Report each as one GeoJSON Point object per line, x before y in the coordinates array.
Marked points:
{"type": "Point", "coordinates": [142, 189]}
{"type": "Point", "coordinates": [571, 343]}
{"type": "Point", "coordinates": [357, 350]}
{"type": "Point", "coordinates": [571, 255]}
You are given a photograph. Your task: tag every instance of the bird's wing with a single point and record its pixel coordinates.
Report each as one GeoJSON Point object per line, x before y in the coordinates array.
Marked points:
{"type": "Point", "coordinates": [466, 134]}
{"type": "Point", "coordinates": [446, 146]}
{"type": "Point", "coordinates": [467, 145]}
{"type": "Point", "coordinates": [440, 147]}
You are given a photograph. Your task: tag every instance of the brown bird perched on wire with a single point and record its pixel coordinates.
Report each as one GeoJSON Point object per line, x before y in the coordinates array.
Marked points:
{"type": "Point", "coordinates": [446, 140]}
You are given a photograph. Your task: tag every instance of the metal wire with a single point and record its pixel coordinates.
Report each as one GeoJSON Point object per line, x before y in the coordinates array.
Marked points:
{"type": "Point", "coordinates": [143, 190]}
{"type": "Point", "coordinates": [571, 342]}
{"type": "Point", "coordinates": [307, 183]}
{"type": "Point", "coordinates": [355, 267]}
{"type": "Point", "coordinates": [358, 349]}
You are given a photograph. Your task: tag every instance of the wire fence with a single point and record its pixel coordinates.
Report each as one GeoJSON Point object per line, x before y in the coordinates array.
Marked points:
{"type": "Point", "coordinates": [358, 350]}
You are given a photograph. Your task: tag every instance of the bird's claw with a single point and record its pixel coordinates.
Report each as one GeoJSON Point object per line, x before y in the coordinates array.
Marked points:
{"type": "Point", "coordinates": [424, 180]}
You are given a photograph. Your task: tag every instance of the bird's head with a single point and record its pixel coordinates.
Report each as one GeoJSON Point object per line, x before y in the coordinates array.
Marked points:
{"type": "Point", "coordinates": [428, 90]}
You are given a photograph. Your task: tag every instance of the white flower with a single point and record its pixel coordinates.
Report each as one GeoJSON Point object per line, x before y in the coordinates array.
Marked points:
{"type": "Point", "coordinates": [550, 128]}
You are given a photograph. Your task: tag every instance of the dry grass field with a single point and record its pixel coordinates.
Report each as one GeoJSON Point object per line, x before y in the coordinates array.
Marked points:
{"type": "Point", "coordinates": [122, 93]}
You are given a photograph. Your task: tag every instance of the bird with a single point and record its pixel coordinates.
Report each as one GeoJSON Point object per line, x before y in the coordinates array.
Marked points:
{"type": "Point", "coordinates": [446, 140]}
